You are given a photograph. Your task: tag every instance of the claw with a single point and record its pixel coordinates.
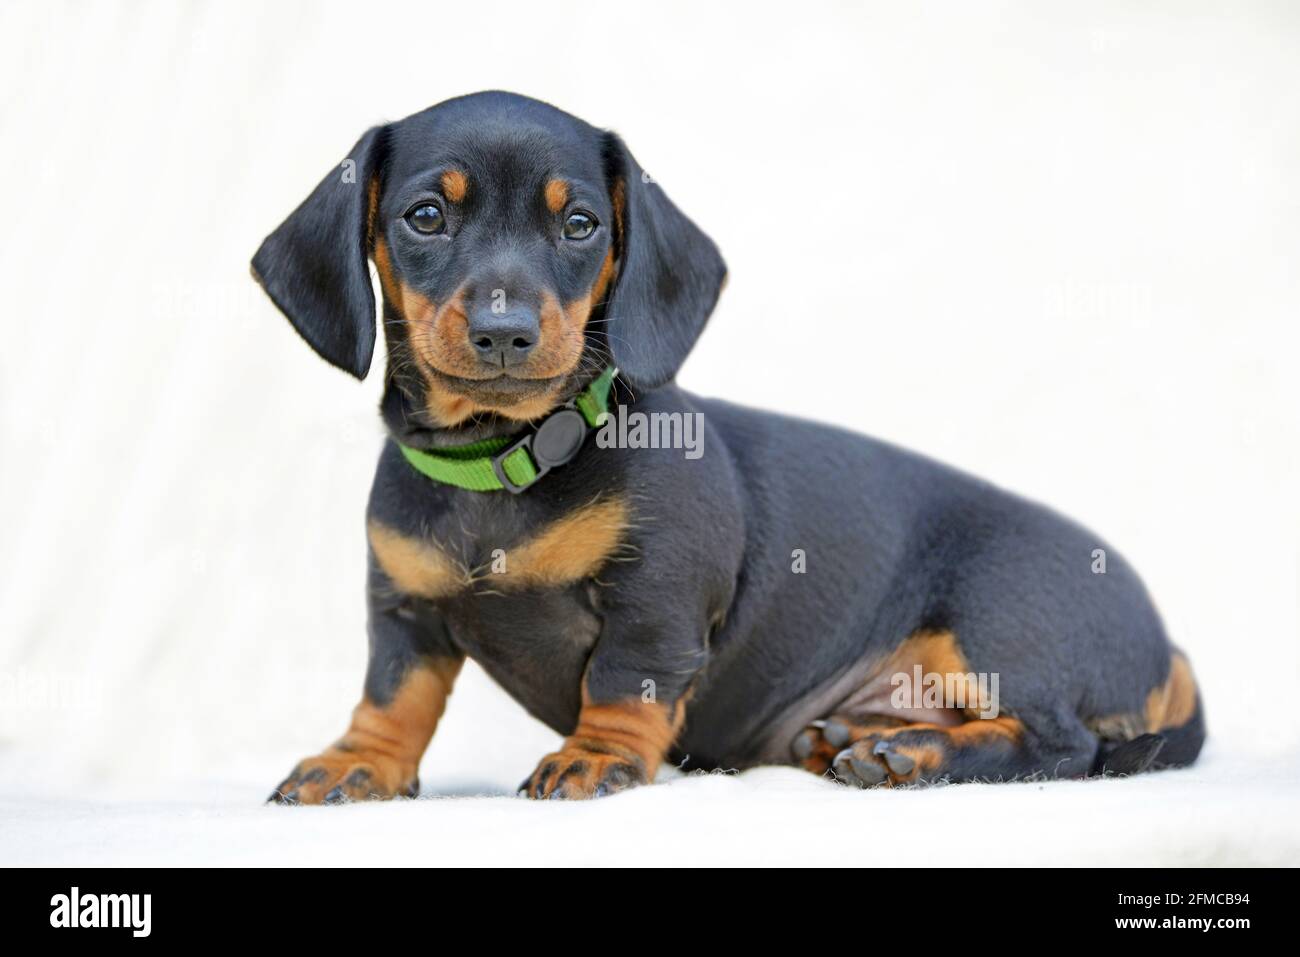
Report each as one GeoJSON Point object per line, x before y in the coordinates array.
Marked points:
{"type": "Point", "coordinates": [836, 733]}
{"type": "Point", "coordinates": [803, 745]}
{"type": "Point", "coordinates": [543, 775]}
{"type": "Point", "coordinates": [357, 779]}
{"type": "Point", "coordinates": [281, 789]}
{"type": "Point", "coordinates": [620, 777]}
{"type": "Point", "coordinates": [898, 762]}
{"type": "Point", "coordinates": [868, 772]}
{"type": "Point", "coordinates": [576, 769]}
{"type": "Point", "coordinates": [842, 768]}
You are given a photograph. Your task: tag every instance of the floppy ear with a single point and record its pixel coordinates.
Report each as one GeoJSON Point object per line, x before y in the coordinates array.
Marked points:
{"type": "Point", "coordinates": [314, 265]}
{"type": "Point", "coordinates": [669, 275]}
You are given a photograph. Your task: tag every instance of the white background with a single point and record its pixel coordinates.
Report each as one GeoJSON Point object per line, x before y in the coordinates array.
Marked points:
{"type": "Point", "coordinates": [1055, 245]}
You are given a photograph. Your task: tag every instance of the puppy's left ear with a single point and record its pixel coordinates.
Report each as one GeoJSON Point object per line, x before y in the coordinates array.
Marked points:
{"type": "Point", "coordinates": [314, 265]}
{"type": "Point", "coordinates": [669, 275]}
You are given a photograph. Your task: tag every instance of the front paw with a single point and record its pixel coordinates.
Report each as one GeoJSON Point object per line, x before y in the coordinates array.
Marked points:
{"type": "Point", "coordinates": [338, 776]}
{"type": "Point", "coordinates": [575, 772]}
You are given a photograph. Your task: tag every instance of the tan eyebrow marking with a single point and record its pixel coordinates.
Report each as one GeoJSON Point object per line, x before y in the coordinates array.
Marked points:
{"type": "Point", "coordinates": [455, 185]}
{"type": "Point", "coordinates": [557, 194]}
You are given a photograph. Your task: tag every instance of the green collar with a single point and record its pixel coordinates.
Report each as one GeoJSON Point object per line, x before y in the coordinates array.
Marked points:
{"type": "Point", "coordinates": [514, 463]}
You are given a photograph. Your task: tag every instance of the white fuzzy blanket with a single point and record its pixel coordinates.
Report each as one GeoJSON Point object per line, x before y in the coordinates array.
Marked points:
{"type": "Point", "coordinates": [1226, 810]}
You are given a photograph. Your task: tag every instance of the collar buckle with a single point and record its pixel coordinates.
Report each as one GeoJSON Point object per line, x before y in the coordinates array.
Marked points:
{"type": "Point", "coordinates": [499, 465]}
{"type": "Point", "coordinates": [555, 442]}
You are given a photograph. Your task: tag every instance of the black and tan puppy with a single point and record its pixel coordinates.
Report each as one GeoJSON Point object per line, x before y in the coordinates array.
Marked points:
{"type": "Point", "coordinates": [765, 601]}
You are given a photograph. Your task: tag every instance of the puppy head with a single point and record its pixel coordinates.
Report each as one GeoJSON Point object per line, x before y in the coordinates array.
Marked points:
{"type": "Point", "coordinates": [519, 251]}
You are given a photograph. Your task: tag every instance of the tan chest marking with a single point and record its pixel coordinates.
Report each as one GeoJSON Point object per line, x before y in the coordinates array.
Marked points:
{"type": "Point", "coordinates": [416, 567]}
{"type": "Point", "coordinates": [568, 550]}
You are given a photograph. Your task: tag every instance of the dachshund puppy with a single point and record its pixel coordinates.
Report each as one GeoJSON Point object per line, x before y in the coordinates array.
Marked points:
{"type": "Point", "coordinates": [789, 593]}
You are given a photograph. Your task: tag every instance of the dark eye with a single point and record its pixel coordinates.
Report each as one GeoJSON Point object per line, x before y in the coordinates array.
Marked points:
{"type": "Point", "coordinates": [427, 219]}
{"type": "Point", "coordinates": [579, 226]}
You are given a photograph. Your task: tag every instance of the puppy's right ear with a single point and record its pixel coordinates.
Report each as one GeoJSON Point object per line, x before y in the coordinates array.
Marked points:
{"type": "Point", "coordinates": [314, 265]}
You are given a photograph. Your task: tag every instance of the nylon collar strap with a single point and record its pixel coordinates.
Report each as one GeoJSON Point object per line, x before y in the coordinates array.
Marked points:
{"type": "Point", "coordinates": [514, 463]}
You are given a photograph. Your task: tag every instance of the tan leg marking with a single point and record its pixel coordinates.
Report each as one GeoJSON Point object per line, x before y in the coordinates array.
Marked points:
{"type": "Point", "coordinates": [935, 653]}
{"type": "Point", "coordinates": [1170, 704]}
{"type": "Point", "coordinates": [614, 747]}
{"type": "Point", "coordinates": [379, 756]}
{"type": "Point", "coordinates": [1173, 703]}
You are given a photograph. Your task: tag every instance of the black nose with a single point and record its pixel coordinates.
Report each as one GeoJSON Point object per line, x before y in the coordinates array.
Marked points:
{"type": "Point", "coordinates": [503, 339]}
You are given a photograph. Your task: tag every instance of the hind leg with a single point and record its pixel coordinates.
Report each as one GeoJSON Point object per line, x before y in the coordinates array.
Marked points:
{"type": "Point", "coordinates": [1167, 733]}
{"type": "Point", "coordinates": [872, 751]}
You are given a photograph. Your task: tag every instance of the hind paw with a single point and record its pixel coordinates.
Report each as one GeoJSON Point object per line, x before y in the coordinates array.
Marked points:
{"type": "Point", "coordinates": [819, 745]}
{"type": "Point", "coordinates": [877, 759]}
